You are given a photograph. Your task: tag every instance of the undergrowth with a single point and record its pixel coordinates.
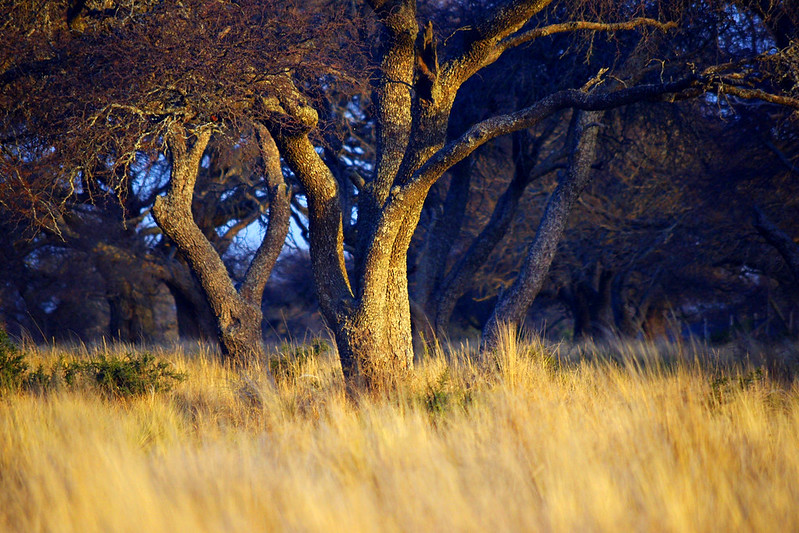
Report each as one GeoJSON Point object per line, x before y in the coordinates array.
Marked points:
{"type": "Point", "coordinates": [111, 375]}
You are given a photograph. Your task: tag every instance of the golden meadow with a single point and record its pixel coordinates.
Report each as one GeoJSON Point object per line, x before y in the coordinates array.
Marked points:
{"type": "Point", "coordinates": [627, 437]}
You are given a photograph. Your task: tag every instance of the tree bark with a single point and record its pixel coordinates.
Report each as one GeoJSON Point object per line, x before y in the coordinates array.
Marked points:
{"type": "Point", "coordinates": [238, 313]}
{"type": "Point", "coordinates": [513, 304]}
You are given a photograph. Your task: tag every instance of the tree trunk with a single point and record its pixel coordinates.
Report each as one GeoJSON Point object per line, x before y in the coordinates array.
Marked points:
{"type": "Point", "coordinates": [414, 93]}
{"type": "Point", "coordinates": [238, 313]}
{"type": "Point", "coordinates": [629, 317]}
{"type": "Point", "coordinates": [461, 275]}
{"type": "Point", "coordinates": [441, 234]}
{"type": "Point", "coordinates": [590, 303]}
{"type": "Point", "coordinates": [513, 304]}
{"type": "Point", "coordinates": [195, 320]}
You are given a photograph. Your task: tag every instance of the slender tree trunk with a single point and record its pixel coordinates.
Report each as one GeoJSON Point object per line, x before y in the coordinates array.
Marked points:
{"type": "Point", "coordinates": [513, 304]}
{"type": "Point", "coordinates": [460, 277]}
{"type": "Point", "coordinates": [442, 232]}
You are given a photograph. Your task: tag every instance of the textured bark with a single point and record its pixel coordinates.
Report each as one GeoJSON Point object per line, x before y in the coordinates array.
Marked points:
{"type": "Point", "coordinates": [238, 314]}
{"type": "Point", "coordinates": [460, 277]}
{"type": "Point", "coordinates": [513, 304]}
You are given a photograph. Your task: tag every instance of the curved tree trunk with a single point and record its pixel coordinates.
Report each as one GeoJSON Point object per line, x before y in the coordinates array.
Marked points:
{"type": "Point", "coordinates": [513, 304]}
{"type": "Point", "coordinates": [238, 313]}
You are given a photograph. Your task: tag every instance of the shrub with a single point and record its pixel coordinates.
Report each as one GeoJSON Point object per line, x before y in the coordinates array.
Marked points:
{"type": "Point", "coordinates": [12, 365]}
{"type": "Point", "coordinates": [128, 376]}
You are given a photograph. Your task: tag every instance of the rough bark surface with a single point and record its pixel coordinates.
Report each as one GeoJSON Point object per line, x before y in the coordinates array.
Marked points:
{"type": "Point", "coordinates": [513, 304]}
{"type": "Point", "coordinates": [238, 314]}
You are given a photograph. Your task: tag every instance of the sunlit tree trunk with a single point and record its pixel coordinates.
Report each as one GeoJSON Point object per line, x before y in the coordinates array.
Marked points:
{"type": "Point", "coordinates": [237, 312]}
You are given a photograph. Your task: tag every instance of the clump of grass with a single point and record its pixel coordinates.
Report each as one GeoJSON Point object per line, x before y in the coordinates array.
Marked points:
{"type": "Point", "coordinates": [287, 364]}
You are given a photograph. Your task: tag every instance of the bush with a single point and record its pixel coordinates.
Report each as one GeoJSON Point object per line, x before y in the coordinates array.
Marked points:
{"type": "Point", "coordinates": [131, 375]}
{"type": "Point", "coordinates": [12, 365]}
{"type": "Point", "coordinates": [128, 376]}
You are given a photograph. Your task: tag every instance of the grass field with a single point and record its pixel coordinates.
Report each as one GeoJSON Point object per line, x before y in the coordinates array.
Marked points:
{"type": "Point", "coordinates": [632, 437]}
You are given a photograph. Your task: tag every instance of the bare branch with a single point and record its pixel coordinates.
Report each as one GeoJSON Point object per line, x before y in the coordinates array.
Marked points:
{"type": "Point", "coordinates": [577, 25]}
{"type": "Point", "coordinates": [781, 156]}
{"type": "Point", "coordinates": [756, 94]}
{"type": "Point", "coordinates": [493, 127]}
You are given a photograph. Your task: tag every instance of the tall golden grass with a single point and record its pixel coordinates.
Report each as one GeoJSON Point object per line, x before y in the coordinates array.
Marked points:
{"type": "Point", "coordinates": [533, 440]}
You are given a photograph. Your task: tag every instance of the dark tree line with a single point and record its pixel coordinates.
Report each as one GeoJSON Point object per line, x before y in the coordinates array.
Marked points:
{"type": "Point", "coordinates": [134, 130]}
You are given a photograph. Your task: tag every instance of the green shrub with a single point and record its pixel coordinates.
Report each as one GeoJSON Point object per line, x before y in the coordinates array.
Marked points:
{"type": "Point", "coordinates": [131, 375]}
{"type": "Point", "coordinates": [12, 365]}
{"type": "Point", "coordinates": [443, 395]}
{"type": "Point", "coordinates": [128, 376]}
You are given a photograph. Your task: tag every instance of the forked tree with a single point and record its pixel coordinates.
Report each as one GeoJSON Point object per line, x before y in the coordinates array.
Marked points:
{"type": "Point", "coordinates": [416, 84]}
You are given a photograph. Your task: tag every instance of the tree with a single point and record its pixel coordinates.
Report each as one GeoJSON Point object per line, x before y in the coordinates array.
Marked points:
{"type": "Point", "coordinates": [90, 91]}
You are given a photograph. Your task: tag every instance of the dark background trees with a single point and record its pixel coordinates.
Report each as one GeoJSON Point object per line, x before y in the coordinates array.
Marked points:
{"type": "Point", "coordinates": [437, 159]}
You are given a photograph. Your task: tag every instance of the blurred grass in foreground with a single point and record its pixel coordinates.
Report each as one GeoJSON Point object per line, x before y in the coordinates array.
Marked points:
{"type": "Point", "coordinates": [538, 438]}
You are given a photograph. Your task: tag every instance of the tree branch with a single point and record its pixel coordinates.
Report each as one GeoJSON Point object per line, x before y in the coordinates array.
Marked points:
{"type": "Point", "coordinates": [260, 269]}
{"type": "Point", "coordinates": [490, 128]}
{"type": "Point", "coordinates": [781, 156]}
{"type": "Point", "coordinates": [525, 37]}
{"type": "Point", "coordinates": [481, 50]}
{"type": "Point", "coordinates": [781, 241]}
{"type": "Point", "coordinates": [756, 94]}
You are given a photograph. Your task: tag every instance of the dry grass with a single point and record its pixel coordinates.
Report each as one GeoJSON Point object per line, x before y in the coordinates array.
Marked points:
{"type": "Point", "coordinates": [532, 441]}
